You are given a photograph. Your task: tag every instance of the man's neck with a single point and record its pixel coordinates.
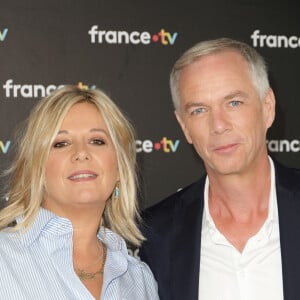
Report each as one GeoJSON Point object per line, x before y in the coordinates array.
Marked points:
{"type": "Point", "coordinates": [239, 203]}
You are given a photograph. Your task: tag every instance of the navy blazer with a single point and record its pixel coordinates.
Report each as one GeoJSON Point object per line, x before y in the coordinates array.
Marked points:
{"type": "Point", "coordinates": [173, 231]}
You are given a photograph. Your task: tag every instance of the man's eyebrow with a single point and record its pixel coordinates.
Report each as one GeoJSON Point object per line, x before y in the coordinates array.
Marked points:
{"type": "Point", "coordinates": [235, 94]}
{"type": "Point", "coordinates": [192, 104]}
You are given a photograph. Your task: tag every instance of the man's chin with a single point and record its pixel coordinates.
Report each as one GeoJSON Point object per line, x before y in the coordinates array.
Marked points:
{"type": "Point", "coordinates": [224, 168]}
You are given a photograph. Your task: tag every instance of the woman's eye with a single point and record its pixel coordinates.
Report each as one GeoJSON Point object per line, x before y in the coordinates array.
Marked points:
{"type": "Point", "coordinates": [97, 142]}
{"type": "Point", "coordinates": [60, 144]}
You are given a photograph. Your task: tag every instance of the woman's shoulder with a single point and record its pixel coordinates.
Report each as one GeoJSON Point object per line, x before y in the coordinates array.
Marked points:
{"type": "Point", "coordinates": [7, 236]}
{"type": "Point", "coordinates": [135, 262]}
{"type": "Point", "coordinates": [117, 245]}
{"type": "Point", "coordinates": [143, 277]}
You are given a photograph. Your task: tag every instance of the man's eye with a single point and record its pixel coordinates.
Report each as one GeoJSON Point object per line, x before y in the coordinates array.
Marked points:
{"type": "Point", "coordinates": [235, 103]}
{"type": "Point", "coordinates": [197, 111]}
{"type": "Point", "coordinates": [97, 142]}
{"type": "Point", "coordinates": [60, 144]}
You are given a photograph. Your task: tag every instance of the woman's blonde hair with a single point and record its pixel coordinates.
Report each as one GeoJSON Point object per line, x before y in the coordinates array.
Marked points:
{"type": "Point", "coordinates": [27, 172]}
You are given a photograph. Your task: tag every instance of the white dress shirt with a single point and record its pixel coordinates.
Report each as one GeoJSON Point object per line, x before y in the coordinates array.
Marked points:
{"type": "Point", "coordinates": [254, 274]}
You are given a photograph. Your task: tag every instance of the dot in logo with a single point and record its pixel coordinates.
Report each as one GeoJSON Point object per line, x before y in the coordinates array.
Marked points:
{"type": "Point", "coordinates": [157, 146]}
{"type": "Point", "coordinates": [155, 38]}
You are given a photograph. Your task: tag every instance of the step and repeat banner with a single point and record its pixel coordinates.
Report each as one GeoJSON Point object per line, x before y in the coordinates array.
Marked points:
{"type": "Point", "coordinates": [127, 48]}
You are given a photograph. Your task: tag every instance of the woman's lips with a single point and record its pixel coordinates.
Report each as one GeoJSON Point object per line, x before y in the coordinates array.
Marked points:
{"type": "Point", "coordinates": [83, 176]}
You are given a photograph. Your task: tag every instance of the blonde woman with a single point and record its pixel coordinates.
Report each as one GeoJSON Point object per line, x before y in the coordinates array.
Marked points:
{"type": "Point", "coordinates": [72, 205]}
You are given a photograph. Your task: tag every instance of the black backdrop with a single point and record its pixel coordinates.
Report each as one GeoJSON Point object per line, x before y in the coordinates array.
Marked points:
{"type": "Point", "coordinates": [44, 44]}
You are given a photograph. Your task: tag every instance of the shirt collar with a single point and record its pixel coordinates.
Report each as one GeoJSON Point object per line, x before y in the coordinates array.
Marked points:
{"type": "Point", "coordinates": [47, 223]}
{"type": "Point", "coordinates": [112, 240]}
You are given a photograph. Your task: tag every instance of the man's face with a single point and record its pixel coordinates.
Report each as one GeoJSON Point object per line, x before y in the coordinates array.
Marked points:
{"type": "Point", "coordinates": [221, 113]}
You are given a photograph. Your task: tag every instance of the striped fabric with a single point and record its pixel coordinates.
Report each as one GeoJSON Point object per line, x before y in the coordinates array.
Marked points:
{"type": "Point", "coordinates": [38, 265]}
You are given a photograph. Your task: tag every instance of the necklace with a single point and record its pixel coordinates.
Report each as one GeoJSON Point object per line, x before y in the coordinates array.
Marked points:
{"type": "Point", "coordinates": [85, 275]}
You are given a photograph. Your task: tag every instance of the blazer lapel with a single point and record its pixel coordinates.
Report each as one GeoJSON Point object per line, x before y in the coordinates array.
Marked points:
{"type": "Point", "coordinates": [186, 240]}
{"type": "Point", "coordinates": [288, 198]}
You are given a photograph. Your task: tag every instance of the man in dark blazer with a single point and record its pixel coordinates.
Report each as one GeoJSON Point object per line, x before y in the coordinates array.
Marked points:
{"type": "Point", "coordinates": [235, 233]}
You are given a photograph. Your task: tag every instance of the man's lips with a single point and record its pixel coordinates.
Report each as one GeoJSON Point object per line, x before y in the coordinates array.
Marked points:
{"type": "Point", "coordinates": [225, 147]}
{"type": "Point", "coordinates": [83, 175]}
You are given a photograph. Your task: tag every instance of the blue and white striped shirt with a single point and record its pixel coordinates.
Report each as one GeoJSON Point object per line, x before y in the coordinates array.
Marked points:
{"type": "Point", "coordinates": [38, 265]}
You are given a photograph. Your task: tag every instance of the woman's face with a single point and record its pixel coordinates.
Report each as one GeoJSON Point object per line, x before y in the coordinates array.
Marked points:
{"type": "Point", "coordinates": [81, 170]}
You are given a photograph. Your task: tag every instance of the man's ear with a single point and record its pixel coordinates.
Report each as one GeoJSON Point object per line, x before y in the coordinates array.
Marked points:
{"type": "Point", "coordinates": [269, 108]}
{"type": "Point", "coordinates": [183, 126]}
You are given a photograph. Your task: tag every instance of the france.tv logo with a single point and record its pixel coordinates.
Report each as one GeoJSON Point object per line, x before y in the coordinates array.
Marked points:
{"type": "Point", "coordinates": [4, 146]}
{"type": "Point", "coordinates": [3, 34]}
{"type": "Point", "coordinates": [134, 37]}
{"type": "Point", "coordinates": [165, 145]}
{"type": "Point", "coordinates": [17, 90]}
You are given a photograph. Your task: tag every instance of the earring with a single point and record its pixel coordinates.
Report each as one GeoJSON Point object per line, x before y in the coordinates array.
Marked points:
{"type": "Point", "coordinates": [116, 191]}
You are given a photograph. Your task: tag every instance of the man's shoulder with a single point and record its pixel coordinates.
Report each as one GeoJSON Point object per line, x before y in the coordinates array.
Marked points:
{"type": "Point", "coordinates": [159, 221]}
{"type": "Point", "coordinates": [186, 194]}
{"type": "Point", "coordinates": [286, 176]}
{"type": "Point", "coordinates": [183, 197]}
